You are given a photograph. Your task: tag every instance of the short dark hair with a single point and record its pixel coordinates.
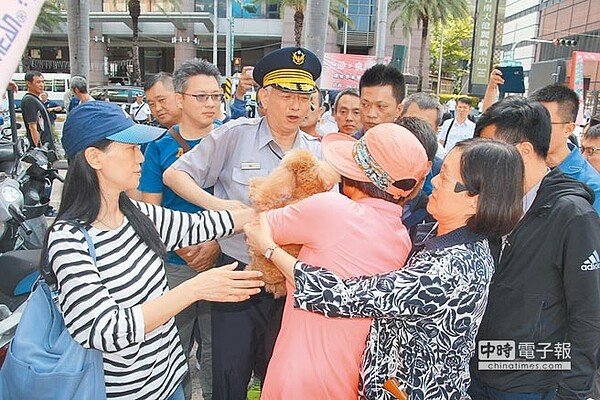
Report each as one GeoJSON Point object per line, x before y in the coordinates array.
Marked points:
{"type": "Point", "coordinates": [164, 77]}
{"type": "Point", "coordinates": [422, 131]}
{"type": "Point", "coordinates": [383, 75]}
{"type": "Point", "coordinates": [493, 170]}
{"type": "Point", "coordinates": [465, 100]}
{"type": "Point", "coordinates": [564, 96]}
{"type": "Point", "coordinates": [347, 91]}
{"type": "Point", "coordinates": [593, 132]}
{"type": "Point", "coordinates": [371, 190]}
{"type": "Point", "coordinates": [29, 75]}
{"type": "Point", "coordinates": [517, 120]}
{"type": "Point", "coordinates": [192, 68]}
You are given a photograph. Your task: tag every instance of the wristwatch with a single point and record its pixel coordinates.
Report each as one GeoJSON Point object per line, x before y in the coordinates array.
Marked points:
{"type": "Point", "coordinates": [269, 251]}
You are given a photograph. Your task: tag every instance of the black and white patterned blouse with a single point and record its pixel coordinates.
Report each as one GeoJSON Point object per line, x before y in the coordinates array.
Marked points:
{"type": "Point", "coordinates": [426, 315]}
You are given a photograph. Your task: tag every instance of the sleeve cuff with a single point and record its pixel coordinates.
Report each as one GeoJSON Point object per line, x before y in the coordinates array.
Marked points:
{"type": "Point", "coordinates": [138, 323]}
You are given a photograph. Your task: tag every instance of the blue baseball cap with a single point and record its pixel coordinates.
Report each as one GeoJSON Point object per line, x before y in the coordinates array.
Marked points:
{"type": "Point", "coordinates": [93, 121]}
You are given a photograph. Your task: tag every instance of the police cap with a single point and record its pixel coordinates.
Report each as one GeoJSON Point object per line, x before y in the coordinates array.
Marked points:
{"type": "Point", "coordinates": [291, 69]}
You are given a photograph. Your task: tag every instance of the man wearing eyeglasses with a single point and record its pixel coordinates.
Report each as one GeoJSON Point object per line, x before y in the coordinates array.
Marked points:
{"type": "Point", "coordinates": [243, 334]}
{"type": "Point", "coordinates": [563, 103]}
{"type": "Point", "coordinates": [546, 286]}
{"type": "Point", "coordinates": [590, 146]}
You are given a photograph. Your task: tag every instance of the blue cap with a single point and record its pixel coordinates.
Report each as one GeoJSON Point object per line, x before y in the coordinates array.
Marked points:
{"type": "Point", "coordinates": [93, 121]}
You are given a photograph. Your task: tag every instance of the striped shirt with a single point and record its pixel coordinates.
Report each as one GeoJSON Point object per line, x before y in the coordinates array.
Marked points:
{"type": "Point", "coordinates": [102, 303]}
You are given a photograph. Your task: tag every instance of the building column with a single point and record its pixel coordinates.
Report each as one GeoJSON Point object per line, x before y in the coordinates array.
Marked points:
{"type": "Point", "coordinates": [98, 58]}
{"type": "Point", "coordinates": [98, 50]}
{"type": "Point", "coordinates": [184, 50]}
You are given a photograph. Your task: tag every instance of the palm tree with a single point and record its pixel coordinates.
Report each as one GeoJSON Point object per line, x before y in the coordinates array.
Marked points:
{"type": "Point", "coordinates": [424, 13]}
{"type": "Point", "coordinates": [49, 17]}
{"type": "Point", "coordinates": [48, 20]}
{"type": "Point", "coordinates": [299, 6]}
{"type": "Point", "coordinates": [317, 12]}
{"type": "Point", "coordinates": [135, 9]}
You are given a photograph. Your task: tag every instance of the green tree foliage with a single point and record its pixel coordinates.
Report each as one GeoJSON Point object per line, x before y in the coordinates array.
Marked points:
{"type": "Point", "coordinates": [456, 50]}
{"type": "Point", "coordinates": [50, 17]}
{"type": "Point", "coordinates": [424, 13]}
{"type": "Point", "coordinates": [336, 13]}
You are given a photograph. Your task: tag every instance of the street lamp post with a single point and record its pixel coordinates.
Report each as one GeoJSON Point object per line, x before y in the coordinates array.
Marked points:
{"type": "Point", "coordinates": [346, 26]}
{"type": "Point", "coordinates": [228, 39]}
{"type": "Point", "coordinates": [514, 46]}
{"type": "Point", "coordinates": [382, 6]}
{"type": "Point", "coordinates": [215, 32]}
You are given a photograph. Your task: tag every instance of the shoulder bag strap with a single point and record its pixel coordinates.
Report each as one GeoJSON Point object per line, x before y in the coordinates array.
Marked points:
{"type": "Point", "coordinates": [46, 267]}
{"type": "Point", "coordinates": [448, 132]}
{"type": "Point", "coordinates": [88, 239]}
{"type": "Point", "coordinates": [138, 110]}
{"type": "Point", "coordinates": [184, 145]}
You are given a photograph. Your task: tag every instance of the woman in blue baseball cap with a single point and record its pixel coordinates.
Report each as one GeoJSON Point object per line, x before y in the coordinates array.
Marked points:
{"type": "Point", "coordinates": [120, 303]}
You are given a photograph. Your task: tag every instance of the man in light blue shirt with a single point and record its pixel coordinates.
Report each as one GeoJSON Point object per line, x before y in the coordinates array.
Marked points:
{"type": "Point", "coordinates": [563, 104]}
{"type": "Point", "coordinates": [244, 333]}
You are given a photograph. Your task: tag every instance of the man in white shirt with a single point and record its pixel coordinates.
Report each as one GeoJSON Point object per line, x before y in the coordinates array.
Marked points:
{"type": "Point", "coordinates": [459, 128]}
{"type": "Point", "coordinates": [451, 104]}
{"type": "Point", "coordinates": [139, 110]}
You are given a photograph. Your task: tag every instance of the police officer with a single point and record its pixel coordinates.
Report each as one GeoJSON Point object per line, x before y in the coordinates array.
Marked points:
{"type": "Point", "coordinates": [243, 334]}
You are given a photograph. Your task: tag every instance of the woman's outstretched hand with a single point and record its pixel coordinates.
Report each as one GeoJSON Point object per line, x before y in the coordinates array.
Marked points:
{"type": "Point", "coordinates": [223, 284]}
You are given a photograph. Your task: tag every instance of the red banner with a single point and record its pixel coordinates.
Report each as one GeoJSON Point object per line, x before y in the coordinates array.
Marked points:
{"type": "Point", "coordinates": [341, 71]}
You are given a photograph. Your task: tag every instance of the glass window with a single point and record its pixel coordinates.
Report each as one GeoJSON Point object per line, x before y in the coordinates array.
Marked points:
{"type": "Point", "coordinates": [21, 85]}
{"type": "Point", "coordinates": [59, 85]}
{"type": "Point", "coordinates": [146, 5]}
{"type": "Point", "coordinates": [362, 12]}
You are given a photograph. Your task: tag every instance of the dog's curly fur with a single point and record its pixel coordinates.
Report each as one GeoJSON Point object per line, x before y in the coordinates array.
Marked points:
{"type": "Point", "coordinates": [299, 175]}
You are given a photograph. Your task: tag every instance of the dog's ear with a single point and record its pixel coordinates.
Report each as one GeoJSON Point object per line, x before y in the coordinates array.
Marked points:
{"type": "Point", "coordinates": [327, 175]}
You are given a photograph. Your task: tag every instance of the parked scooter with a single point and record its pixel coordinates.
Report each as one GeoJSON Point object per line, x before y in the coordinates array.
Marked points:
{"type": "Point", "coordinates": [25, 185]}
{"type": "Point", "coordinates": [19, 268]}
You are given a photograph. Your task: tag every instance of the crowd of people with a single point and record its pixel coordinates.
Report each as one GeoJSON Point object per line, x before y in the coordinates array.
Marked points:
{"type": "Point", "coordinates": [442, 239]}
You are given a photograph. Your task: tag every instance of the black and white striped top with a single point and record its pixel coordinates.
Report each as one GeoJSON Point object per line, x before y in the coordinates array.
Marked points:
{"type": "Point", "coordinates": [102, 303]}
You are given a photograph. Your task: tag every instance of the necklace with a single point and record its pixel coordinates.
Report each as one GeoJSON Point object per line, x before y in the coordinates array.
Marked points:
{"type": "Point", "coordinates": [100, 221]}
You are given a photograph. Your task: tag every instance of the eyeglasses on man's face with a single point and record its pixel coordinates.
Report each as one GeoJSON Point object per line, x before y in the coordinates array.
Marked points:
{"type": "Point", "coordinates": [561, 122]}
{"type": "Point", "coordinates": [203, 97]}
{"type": "Point", "coordinates": [590, 151]}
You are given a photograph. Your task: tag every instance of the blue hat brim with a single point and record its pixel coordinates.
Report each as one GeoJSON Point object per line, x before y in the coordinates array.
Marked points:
{"type": "Point", "coordinates": [137, 134]}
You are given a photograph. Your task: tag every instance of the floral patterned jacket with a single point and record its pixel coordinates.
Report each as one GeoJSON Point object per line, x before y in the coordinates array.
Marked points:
{"type": "Point", "coordinates": [426, 315]}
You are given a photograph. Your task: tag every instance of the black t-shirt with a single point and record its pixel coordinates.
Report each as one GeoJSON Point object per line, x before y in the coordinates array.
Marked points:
{"type": "Point", "coordinates": [33, 110]}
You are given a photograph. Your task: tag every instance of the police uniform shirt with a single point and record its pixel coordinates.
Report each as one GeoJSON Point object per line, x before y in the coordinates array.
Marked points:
{"type": "Point", "coordinates": [232, 154]}
{"type": "Point", "coordinates": [140, 112]}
